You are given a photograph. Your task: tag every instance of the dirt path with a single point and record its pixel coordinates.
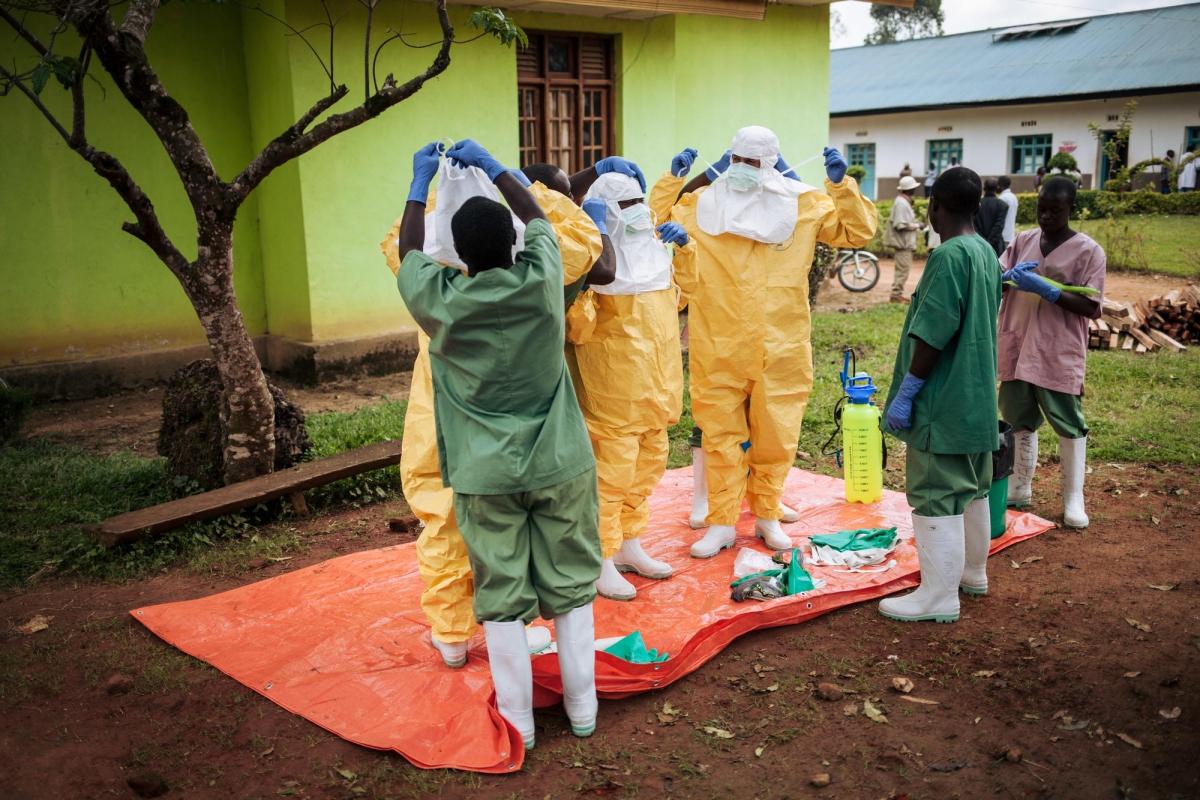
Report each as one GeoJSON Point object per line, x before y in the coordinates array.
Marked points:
{"type": "Point", "coordinates": [1082, 665]}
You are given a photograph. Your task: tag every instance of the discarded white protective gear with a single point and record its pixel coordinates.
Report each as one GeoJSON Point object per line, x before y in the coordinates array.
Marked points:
{"type": "Point", "coordinates": [538, 639]}
{"type": "Point", "coordinates": [1025, 456]}
{"type": "Point", "coordinates": [512, 675]}
{"type": "Point", "coordinates": [977, 541]}
{"type": "Point", "coordinates": [632, 557]}
{"type": "Point", "coordinates": [750, 561]}
{"type": "Point", "coordinates": [852, 560]}
{"type": "Point", "coordinates": [612, 584]}
{"type": "Point", "coordinates": [643, 261]}
{"type": "Point", "coordinates": [715, 539]}
{"type": "Point", "coordinates": [455, 186]}
{"type": "Point", "coordinates": [699, 491]}
{"type": "Point", "coordinates": [772, 534]}
{"type": "Point", "coordinates": [576, 632]}
{"type": "Point", "coordinates": [1073, 455]}
{"type": "Point", "coordinates": [766, 212]}
{"type": "Point", "coordinates": [940, 553]}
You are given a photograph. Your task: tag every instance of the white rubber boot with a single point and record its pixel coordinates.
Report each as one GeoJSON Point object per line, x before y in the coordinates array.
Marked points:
{"type": "Point", "coordinates": [1073, 454]}
{"type": "Point", "coordinates": [454, 654]}
{"type": "Point", "coordinates": [977, 540]}
{"type": "Point", "coordinates": [715, 539]}
{"type": "Point", "coordinates": [632, 558]}
{"type": "Point", "coordinates": [512, 675]}
{"type": "Point", "coordinates": [940, 551]}
{"type": "Point", "coordinates": [577, 662]}
{"type": "Point", "coordinates": [1025, 456]}
{"type": "Point", "coordinates": [538, 638]}
{"type": "Point", "coordinates": [612, 585]}
{"type": "Point", "coordinates": [699, 491]}
{"type": "Point", "coordinates": [789, 514]}
{"type": "Point", "coordinates": [769, 531]}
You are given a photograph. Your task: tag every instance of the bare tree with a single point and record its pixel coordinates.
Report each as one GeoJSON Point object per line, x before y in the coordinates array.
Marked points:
{"type": "Point", "coordinates": [119, 47]}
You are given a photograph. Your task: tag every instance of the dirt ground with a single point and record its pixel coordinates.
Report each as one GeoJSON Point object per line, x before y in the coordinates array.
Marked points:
{"type": "Point", "coordinates": [1076, 677]}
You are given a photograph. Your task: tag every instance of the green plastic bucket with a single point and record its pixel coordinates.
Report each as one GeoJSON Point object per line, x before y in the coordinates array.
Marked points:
{"type": "Point", "coordinates": [998, 503]}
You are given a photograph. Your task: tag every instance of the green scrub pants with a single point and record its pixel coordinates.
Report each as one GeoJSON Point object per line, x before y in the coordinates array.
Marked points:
{"type": "Point", "coordinates": [944, 484]}
{"type": "Point", "coordinates": [533, 553]}
{"type": "Point", "coordinates": [1025, 406]}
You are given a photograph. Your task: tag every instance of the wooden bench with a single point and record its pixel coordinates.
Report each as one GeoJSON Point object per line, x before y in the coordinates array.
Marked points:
{"type": "Point", "coordinates": [292, 482]}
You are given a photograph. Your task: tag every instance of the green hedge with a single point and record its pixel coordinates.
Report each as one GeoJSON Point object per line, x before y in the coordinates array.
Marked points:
{"type": "Point", "coordinates": [1092, 203]}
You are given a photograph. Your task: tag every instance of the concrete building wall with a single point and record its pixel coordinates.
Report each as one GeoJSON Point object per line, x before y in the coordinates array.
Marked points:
{"type": "Point", "coordinates": [1158, 125]}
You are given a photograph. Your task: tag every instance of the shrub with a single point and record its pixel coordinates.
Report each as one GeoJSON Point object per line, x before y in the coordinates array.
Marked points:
{"type": "Point", "coordinates": [857, 171]}
{"type": "Point", "coordinates": [1064, 162]}
{"type": "Point", "coordinates": [1093, 203]}
{"type": "Point", "coordinates": [14, 406]}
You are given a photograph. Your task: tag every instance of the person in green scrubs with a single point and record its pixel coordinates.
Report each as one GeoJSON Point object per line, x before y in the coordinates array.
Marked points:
{"type": "Point", "coordinates": [512, 442]}
{"type": "Point", "coordinates": [942, 404]}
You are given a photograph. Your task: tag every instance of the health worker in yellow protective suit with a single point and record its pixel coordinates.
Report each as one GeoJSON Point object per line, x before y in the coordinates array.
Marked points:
{"type": "Point", "coordinates": [750, 353]}
{"type": "Point", "coordinates": [628, 371]}
{"type": "Point", "coordinates": [441, 552]}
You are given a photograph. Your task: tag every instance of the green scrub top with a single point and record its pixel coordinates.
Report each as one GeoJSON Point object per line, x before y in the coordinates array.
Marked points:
{"type": "Point", "coordinates": [954, 309]}
{"type": "Point", "coordinates": [506, 413]}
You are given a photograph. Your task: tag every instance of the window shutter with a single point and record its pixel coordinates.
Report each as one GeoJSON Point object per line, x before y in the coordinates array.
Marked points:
{"type": "Point", "coordinates": [594, 58]}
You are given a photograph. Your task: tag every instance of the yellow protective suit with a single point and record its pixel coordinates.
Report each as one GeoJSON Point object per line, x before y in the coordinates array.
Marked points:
{"type": "Point", "coordinates": [750, 354]}
{"type": "Point", "coordinates": [628, 372]}
{"type": "Point", "coordinates": [441, 552]}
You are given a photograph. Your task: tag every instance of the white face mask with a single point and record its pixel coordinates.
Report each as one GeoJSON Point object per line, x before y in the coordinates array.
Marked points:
{"type": "Point", "coordinates": [637, 219]}
{"type": "Point", "coordinates": [743, 177]}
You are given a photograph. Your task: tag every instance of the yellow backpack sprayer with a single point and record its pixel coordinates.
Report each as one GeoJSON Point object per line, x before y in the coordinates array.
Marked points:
{"type": "Point", "coordinates": [862, 454]}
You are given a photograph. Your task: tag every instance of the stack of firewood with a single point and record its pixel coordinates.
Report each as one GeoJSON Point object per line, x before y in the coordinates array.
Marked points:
{"type": "Point", "coordinates": [1169, 321]}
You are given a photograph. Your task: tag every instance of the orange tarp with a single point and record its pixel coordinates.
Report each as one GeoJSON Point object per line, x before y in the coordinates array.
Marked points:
{"type": "Point", "coordinates": [345, 645]}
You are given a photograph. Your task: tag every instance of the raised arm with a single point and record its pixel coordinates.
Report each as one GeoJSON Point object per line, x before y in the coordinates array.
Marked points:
{"type": "Point", "coordinates": [412, 223]}
{"type": "Point", "coordinates": [469, 153]}
{"type": "Point", "coordinates": [604, 271]}
{"type": "Point", "coordinates": [582, 181]}
{"type": "Point", "coordinates": [850, 219]}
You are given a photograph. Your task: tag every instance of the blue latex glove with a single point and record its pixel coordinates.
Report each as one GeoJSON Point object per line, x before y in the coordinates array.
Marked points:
{"type": "Point", "coordinates": [521, 179]}
{"type": "Point", "coordinates": [425, 165]}
{"type": "Point", "coordinates": [682, 164]}
{"type": "Point", "coordinates": [598, 211]}
{"type": "Point", "coordinates": [899, 413]}
{"type": "Point", "coordinates": [835, 165]}
{"type": "Point", "coordinates": [1027, 280]}
{"type": "Point", "coordinates": [781, 166]}
{"type": "Point", "coordinates": [621, 166]}
{"type": "Point", "coordinates": [1007, 275]}
{"type": "Point", "coordinates": [672, 233]}
{"type": "Point", "coordinates": [719, 167]}
{"type": "Point", "coordinates": [470, 153]}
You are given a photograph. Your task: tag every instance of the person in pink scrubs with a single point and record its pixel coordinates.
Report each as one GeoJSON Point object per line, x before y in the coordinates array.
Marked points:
{"type": "Point", "coordinates": [1042, 345]}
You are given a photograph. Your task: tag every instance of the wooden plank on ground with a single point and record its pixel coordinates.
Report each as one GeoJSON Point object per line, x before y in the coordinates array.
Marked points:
{"type": "Point", "coordinates": [166, 516]}
{"type": "Point", "coordinates": [1166, 341]}
{"type": "Point", "coordinates": [1143, 339]}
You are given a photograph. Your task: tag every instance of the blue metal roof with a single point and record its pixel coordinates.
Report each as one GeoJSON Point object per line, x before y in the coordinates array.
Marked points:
{"type": "Point", "coordinates": [1139, 51]}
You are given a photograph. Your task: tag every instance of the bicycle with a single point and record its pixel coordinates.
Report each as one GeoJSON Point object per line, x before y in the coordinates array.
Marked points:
{"type": "Point", "coordinates": [856, 270]}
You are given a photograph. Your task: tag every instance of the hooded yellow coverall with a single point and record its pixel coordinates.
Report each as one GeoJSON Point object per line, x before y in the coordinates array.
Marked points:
{"type": "Point", "coordinates": [628, 374]}
{"type": "Point", "coordinates": [750, 353]}
{"type": "Point", "coordinates": [441, 552]}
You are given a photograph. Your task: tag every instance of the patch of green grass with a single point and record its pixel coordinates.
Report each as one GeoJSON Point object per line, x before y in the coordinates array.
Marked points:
{"type": "Point", "coordinates": [333, 433]}
{"type": "Point", "coordinates": [1168, 244]}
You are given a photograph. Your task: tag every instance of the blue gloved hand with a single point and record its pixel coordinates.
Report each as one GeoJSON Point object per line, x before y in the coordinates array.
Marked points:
{"type": "Point", "coordinates": [598, 211]}
{"type": "Point", "coordinates": [682, 164]}
{"type": "Point", "coordinates": [521, 179]}
{"type": "Point", "coordinates": [672, 233]}
{"type": "Point", "coordinates": [621, 166]}
{"type": "Point", "coordinates": [470, 153]}
{"type": "Point", "coordinates": [425, 165]}
{"type": "Point", "coordinates": [1007, 275]}
{"type": "Point", "coordinates": [1027, 280]}
{"type": "Point", "coordinates": [835, 165]}
{"type": "Point", "coordinates": [781, 166]}
{"type": "Point", "coordinates": [719, 167]}
{"type": "Point", "coordinates": [899, 413]}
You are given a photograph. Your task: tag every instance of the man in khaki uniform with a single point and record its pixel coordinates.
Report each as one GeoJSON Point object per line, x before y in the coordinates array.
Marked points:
{"type": "Point", "coordinates": [900, 234]}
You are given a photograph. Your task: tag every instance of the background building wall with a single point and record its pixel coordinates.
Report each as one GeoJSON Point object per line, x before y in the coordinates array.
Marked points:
{"type": "Point", "coordinates": [76, 285]}
{"type": "Point", "coordinates": [1158, 125]}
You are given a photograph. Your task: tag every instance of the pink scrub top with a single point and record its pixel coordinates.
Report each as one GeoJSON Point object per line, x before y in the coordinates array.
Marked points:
{"type": "Point", "coordinates": [1039, 342]}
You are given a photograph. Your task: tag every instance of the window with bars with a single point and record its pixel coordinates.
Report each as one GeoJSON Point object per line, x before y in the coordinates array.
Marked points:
{"type": "Point", "coordinates": [1027, 153]}
{"type": "Point", "coordinates": [1191, 138]}
{"type": "Point", "coordinates": [940, 151]}
{"type": "Point", "coordinates": [564, 96]}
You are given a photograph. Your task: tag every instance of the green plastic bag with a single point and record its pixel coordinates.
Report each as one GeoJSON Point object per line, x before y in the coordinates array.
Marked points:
{"type": "Point", "coordinates": [861, 539]}
{"type": "Point", "coordinates": [633, 649]}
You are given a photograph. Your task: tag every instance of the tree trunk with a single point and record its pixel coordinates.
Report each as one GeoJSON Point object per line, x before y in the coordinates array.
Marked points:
{"type": "Point", "coordinates": [249, 411]}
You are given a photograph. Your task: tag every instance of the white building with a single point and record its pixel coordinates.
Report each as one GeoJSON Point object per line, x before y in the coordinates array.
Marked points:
{"type": "Point", "coordinates": [1003, 101]}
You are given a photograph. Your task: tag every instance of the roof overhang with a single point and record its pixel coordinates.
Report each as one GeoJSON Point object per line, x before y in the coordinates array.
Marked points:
{"type": "Point", "coordinates": [645, 9]}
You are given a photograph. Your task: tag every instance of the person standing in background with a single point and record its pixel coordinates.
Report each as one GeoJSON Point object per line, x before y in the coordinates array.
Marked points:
{"type": "Point", "coordinates": [901, 235]}
{"type": "Point", "coordinates": [1168, 164]}
{"type": "Point", "coordinates": [1041, 176]}
{"type": "Point", "coordinates": [1187, 176]}
{"type": "Point", "coordinates": [989, 219]}
{"type": "Point", "coordinates": [906, 172]}
{"type": "Point", "coordinates": [930, 177]}
{"type": "Point", "coordinates": [1010, 219]}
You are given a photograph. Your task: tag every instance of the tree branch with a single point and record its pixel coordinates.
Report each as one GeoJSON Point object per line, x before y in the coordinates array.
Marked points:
{"type": "Point", "coordinates": [78, 138]}
{"type": "Point", "coordinates": [138, 19]}
{"type": "Point", "coordinates": [294, 142]}
{"type": "Point", "coordinates": [23, 32]}
{"type": "Point", "coordinates": [12, 80]}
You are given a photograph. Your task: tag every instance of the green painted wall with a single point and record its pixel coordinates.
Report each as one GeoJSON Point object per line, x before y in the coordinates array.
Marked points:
{"type": "Point", "coordinates": [74, 284]}
{"type": "Point", "coordinates": [308, 262]}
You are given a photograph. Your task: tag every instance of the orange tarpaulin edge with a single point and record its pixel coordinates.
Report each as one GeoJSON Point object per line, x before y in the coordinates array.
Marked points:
{"type": "Point", "coordinates": [345, 645]}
